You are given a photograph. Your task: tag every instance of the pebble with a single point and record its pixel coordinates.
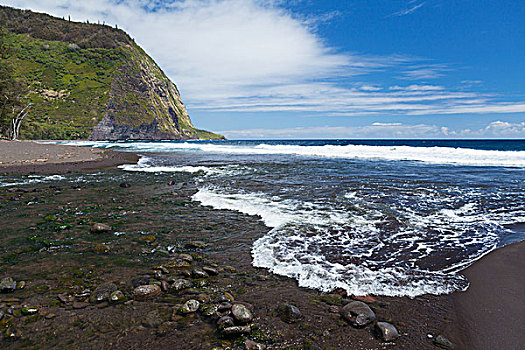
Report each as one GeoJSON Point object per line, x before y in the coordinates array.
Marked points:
{"type": "Point", "coordinates": [146, 292]}
{"type": "Point", "coordinates": [442, 342]}
{"type": "Point", "coordinates": [198, 273]}
{"type": "Point", "coordinates": [140, 281]}
{"type": "Point", "coordinates": [29, 310]}
{"type": "Point", "coordinates": [117, 297]}
{"type": "Point", "coordinates": [164, 286]}
{"type": "Point", "coordinates": [101, 248]}
{"type": "Point", "coordinates": [210, 271]}
{"type": "Point", "coordinates": [358, 313]}
{"type": "Point", "coordinates": [79, 305]}
{"type": "Point", "coordinates": [190, 306]}
{"type": "Point", "coordinates": [180, 284]}
{"type": "Point", "coordinates": [125, 185]}
{"type": "Point", "coordinates": [7, 285]}
{"type": "Point", "coordinates": [289, 313]}
{"type": "Point", "coordinates": [102, 292]}
{"type": "Point", "coordinates": [387, 331]}
{"type": "Point", "coordinates": [236, 330]}
{"type": "Point", "coordinates": [225, 322]}
{"type": "Point", "coordinates": [241, 313]}
{"type": "Point", "coordinates": [65, 298]}
{"type": "Point", "coordinates": [196, 244]}
{"type": "Point", "coordinates": [99, 228]}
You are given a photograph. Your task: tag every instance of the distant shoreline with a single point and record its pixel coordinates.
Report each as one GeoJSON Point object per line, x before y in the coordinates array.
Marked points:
{"type": "Point", "coordinates": [29, 157]}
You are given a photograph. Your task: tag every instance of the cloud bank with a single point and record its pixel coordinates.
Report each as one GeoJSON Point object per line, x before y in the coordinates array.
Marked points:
{"type": "Point", "coordinates": [241, 56]}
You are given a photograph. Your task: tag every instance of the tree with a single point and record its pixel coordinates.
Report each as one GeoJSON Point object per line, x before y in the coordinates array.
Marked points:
{"type": "Point", "coordinates": [13, 110]}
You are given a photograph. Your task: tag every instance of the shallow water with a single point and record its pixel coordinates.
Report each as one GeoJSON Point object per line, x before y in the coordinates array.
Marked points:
{"type": "Point", "coordinates": [395, 218]}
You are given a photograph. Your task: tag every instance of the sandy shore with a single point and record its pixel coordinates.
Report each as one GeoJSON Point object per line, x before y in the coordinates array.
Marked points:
{"type": "Point", "coordinates": [26, 157]}
{"type": "Point", "coordinates": [491, 313]}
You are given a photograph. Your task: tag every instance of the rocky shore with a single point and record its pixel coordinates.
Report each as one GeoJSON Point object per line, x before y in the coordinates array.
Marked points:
{"type": "Point", "coordinates": [122, 260]}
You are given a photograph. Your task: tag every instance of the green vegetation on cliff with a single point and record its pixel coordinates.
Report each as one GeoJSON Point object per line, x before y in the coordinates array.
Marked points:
{"type": "Point", "coordinates": [83, 77]}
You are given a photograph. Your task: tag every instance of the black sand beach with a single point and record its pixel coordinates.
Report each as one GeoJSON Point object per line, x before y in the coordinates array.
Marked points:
{"type": "Point", "coordinates": [49, 244]}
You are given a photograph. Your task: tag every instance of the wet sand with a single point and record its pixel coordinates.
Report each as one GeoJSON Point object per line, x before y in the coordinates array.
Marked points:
{"type": "Point", "coordinates": [27, 157]}
{"type": "Point", "coordinates": [491, 313]}
{"type": "Point", "coordinates": [60, 257]}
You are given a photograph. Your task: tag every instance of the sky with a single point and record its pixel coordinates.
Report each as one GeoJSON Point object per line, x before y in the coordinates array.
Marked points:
{"type": "Point", "coordinates": [278, 69]}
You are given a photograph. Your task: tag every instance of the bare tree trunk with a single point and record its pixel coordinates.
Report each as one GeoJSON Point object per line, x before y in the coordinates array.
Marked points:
{"type": "Point", "coordinates": [14, 131]}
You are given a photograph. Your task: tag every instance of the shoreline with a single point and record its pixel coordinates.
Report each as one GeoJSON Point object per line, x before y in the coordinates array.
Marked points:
{"type": "Point", "coordinates": [487, 315]}
{"type": "Point", "coordinates": [29, 157]}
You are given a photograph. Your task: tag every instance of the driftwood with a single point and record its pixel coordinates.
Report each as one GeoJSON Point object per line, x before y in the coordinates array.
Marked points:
{"type": "Point", "coordinates": [14, 130]}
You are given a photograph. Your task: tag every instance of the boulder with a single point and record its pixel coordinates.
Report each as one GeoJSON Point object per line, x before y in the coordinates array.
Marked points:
{"type": "Point", "coordinates": [7, 285]}
{"type": "Point", "coordinates": [386, 331]}
{"type": "Point", "coordinates": [146, 292]}
{"type": "Point", "coordinates": [358, 314]}
{"type": "Point", "coordinates": [241, 313]}
{"type": "Point", "coordinates": [190, 306]}
{"type": "Point", "coordinates": [180, 284]}
{"type": "Point", "coordinates": [289, 313]}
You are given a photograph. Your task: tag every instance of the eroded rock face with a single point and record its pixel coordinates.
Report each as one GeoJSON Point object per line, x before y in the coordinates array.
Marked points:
{"type": "Point", "coordinates": [358, 314]}
{"type": "Point", "coordinates": [144, 105]}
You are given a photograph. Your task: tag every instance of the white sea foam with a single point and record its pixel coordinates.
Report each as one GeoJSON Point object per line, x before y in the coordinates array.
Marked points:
{"type": "Point", "coordinates": [302, 231]}
{"type": "Point", "coordinates": [30, 180]}
{"type": "Point", "coordinates": [433, 155]}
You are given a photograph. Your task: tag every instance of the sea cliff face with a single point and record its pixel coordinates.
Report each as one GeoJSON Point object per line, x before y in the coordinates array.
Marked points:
{"type": "Point", "coordinates": [91, 81]}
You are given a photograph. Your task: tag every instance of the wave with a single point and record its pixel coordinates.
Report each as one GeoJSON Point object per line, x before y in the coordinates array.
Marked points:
{"type": "Point", "coordinates": [326, 248]}
{"type": "Point", "coordinates": [431, 155]}
{"type": "Point", "coordinates": [31, 179]}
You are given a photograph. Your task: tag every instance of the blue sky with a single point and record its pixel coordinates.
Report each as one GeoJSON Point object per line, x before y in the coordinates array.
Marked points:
{"type": "Point", "coordinates": [332, 68]}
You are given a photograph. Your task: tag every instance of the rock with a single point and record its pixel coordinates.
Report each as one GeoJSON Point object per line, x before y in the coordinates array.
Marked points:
{"type": "Point", "coordinates": [73, 47]}
{"type": "Point", "coordinates": [198, 273]}
{"type": "Point", "coordinates": [29, 310]}
{"type": "Point", "coordinates": [140, 281]}
{"type": "Point", "coordinates": [186, 257]}
{"type": "Point", "coordinates": [102, 292]}
{"type": "Point", "coordinates": [146, 292]}
{"type": "Point", "coordinates": [236, 331]}
{"type": "Point", "coordinates": [365, 299]}
{"type": "Point", "coordinates": [65, 298]}
{"type": "Point", "coordinates": [200, 283]}
{"type": "Point", "coordinates": [7, 285]}
{"type": "Point", "coordinates": [209, 311]}
{"type": "Point", "coordinates": [387, 331]}
{"type": "Point", "coordinates": [229, 296]}
{"type": "Point", "coordinates": [1, 314]}
{"type": "Point", "coordinates": [125, 185]}
{"type": "Point", "coordinates": [152, 319]}
{"type": "Point", "coordinates": [117, 297]}
{"type": "Point", "coordinates": [358, 313]}
{"type": "Point", "coordinates": [225, 322]}
{"type": "Point", "coordinates": [241, 313]}
{"type": "Point", "coordinates": [442, 342]}
{"type": "Point", "coordinates": [164, 286]}
{"type": "Point", "coordinates": [172, 183]}
{"type": "Point", "coordinates": [100, 228]}
{"type": "Point", "coordinates": [203, 298]}
{"type": "Point", "coordinates": [20, 284]}
{"type": "Point", "coordinates": [251, 345]}
{"type": "Point", "coordinates": [309, 344]}
{"type": "Point", "coordinates": [289, 313]}
{"type": "Point", "coordinates": [210, 271]}
{"type": "Point", "coordinates": [101, 248]}
{"type": "Point", "coordinates": [177, 263]}
{"type": "Point", "coordinates": [190, 306]}
{"type": "Point", "coordinates": [79, 305]}
{"type": "Point", "coordinates": [334, 309]}
{"type": "Point", "coordinates": [180, 284]}
{"type": "Point", "coordinates": [158, 275]}
{"type": "Point", "coordinates": [196, 244]}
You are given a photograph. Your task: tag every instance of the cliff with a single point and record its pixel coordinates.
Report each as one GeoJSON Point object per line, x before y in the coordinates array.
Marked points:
{"type": "Point", "coordinates": [92, 81]}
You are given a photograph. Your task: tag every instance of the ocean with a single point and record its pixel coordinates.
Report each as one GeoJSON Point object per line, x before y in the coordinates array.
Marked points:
{"type": "Point", "coordinates": [380, 217]}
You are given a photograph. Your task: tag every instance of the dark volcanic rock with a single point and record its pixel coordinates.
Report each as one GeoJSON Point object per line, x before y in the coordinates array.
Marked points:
{"type": "Point", "coordinates": [358, 314]}
{"type": "Point", "coordinates": [386, 331]}
{"type": "Point", "coordinates": [140, 281]}
{"type": "Point", "coordinates": [146, 292]}
{"type": "Point", "coordinates": [225, 322]}
{"type": "Point", "coordinates": [289, 313]}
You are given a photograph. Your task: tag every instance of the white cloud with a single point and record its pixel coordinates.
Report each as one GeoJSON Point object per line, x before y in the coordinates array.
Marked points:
{"type": "Point", "coordinates": [254, 56]}
{"type": "Point", "coordinates": [496, 129]}
{"type": "Point", "coordinates": [413, 7]}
